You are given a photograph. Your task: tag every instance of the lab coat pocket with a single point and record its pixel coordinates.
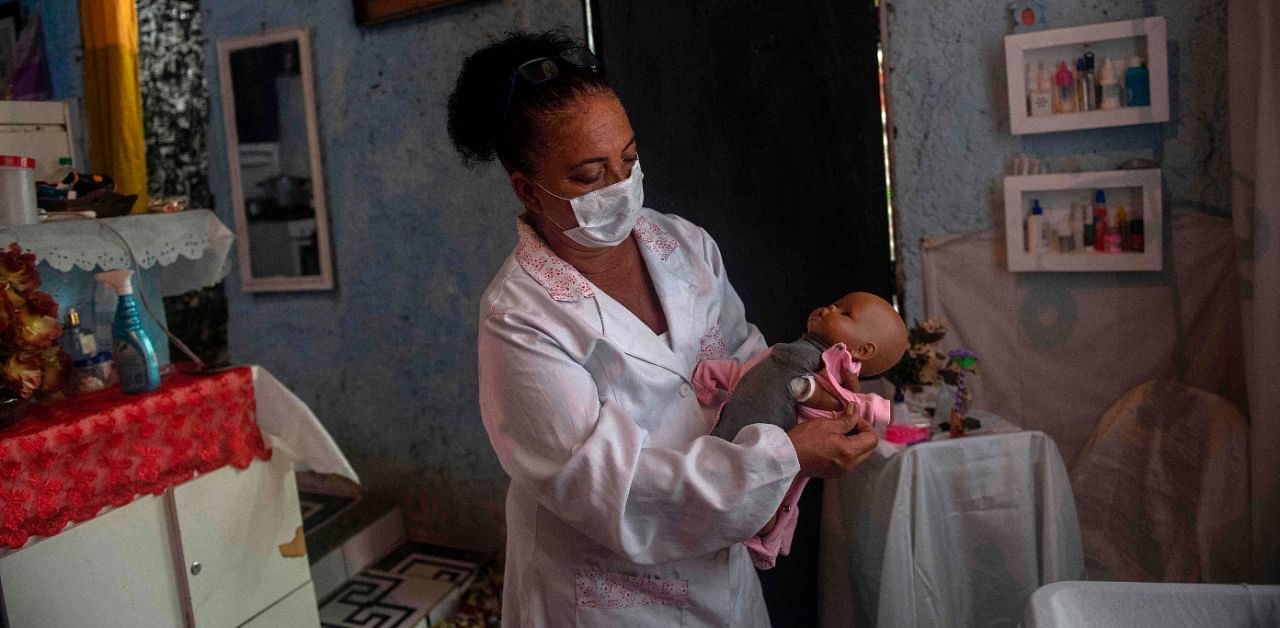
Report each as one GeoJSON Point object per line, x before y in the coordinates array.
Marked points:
{"type": "Point", "coordinates": [605, 598]}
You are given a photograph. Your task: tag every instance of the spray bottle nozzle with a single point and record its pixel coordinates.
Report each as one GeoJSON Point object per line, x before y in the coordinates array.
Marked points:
{"type": "Point", "coordinates": [117, 279]}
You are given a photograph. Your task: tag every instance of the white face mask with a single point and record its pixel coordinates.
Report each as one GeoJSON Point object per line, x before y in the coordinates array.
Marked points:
{"type": "Point", "coordinates": [607, 215]}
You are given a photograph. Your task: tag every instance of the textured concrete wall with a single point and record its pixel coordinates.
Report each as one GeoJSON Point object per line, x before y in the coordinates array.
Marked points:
{"type": "Point", "coordinates": [387, 361]}
{"type": "Point", "coordinates": [950, 109]}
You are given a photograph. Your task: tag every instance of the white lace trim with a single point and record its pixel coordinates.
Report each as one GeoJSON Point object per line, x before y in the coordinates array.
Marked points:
{"type": "Point", "coordinates": [155, 239]}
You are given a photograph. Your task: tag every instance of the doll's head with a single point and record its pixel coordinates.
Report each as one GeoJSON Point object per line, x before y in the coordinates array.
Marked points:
{"type": "Point", "coordinates": [868, 326]}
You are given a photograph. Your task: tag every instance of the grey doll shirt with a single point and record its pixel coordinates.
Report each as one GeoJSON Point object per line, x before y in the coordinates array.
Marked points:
{"type": "Point", "coordinates": [762, 395]}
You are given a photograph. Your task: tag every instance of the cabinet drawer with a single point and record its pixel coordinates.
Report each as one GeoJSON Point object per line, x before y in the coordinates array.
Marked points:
{"type": "Point", "coordinates": [233, 523]}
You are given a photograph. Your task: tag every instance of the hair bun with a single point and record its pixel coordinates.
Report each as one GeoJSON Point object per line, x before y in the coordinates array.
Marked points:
{"type": "Point", "coordinates": [476, 106]}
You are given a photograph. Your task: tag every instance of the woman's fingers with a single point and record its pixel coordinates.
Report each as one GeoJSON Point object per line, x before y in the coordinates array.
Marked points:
{"type": "Point", "coordinates": [832, 447]}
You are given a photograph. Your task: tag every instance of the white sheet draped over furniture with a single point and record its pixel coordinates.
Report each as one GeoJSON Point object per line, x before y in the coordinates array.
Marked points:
{"type": "Point", "coordinates": [948, 533]}
{"type": "Point", "coordinates": [1154, 605]}
{"type": "Point", "coordinates": [1159, 488]}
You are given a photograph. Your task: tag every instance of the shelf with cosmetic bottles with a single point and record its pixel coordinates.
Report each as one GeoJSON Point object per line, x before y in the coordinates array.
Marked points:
{"type": "Point", "coordinates": [1086, 77]}
{"type": "Point", "coordinates": [1084, 221]}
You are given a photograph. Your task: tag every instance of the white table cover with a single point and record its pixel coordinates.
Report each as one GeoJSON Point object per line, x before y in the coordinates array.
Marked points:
{"type": "Point", "coordinates": [295, 429]}
{"type": "Point", "coordinates": [190, 247]}
{"type": "Point", "coordinates": [1154, 605]}
{"type": "Point", "coordinates": [948, 533]}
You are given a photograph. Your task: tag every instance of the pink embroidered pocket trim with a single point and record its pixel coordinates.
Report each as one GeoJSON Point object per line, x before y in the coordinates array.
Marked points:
{"type": "Point", "coordinates": [602, 589]}
{"type": "Point", "coordinates": [711, 346]}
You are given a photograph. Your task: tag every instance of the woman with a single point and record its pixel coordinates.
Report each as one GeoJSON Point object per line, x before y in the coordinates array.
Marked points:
{"type": "Point", "coordinates": [621, 510]}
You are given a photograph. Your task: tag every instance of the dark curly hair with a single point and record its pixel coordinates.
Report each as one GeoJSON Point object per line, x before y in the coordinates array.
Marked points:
{"type": "Point", "coordinates": [477, 125]}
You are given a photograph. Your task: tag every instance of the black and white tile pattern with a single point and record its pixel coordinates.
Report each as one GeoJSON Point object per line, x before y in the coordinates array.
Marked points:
{"type": "Point", "coordinates": [415, 585]}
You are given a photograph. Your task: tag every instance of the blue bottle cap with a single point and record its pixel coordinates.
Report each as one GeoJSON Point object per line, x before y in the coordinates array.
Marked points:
{"type": "Point", "coordinates": [1100, 197]}
{"type": "Point", "coordinates": [1035, 208]}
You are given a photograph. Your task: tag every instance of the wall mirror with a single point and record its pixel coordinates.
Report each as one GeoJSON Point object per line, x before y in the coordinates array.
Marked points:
{"type": "Point", "coordinates": [273, 150]}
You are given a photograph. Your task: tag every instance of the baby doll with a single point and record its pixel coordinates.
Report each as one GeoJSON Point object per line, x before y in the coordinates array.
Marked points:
{"type": "Point", "coordinates": [859, 335]}
{"type": "Point", "coordinates": [814, 376]}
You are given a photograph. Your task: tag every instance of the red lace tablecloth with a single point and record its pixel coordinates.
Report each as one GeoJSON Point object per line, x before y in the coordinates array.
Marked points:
{"type": "Point", "coordinates": [64, 462]}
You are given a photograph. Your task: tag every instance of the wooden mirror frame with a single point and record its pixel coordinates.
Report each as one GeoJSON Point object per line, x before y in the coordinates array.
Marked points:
{"type": "Point", "coordinates": [280, 283]}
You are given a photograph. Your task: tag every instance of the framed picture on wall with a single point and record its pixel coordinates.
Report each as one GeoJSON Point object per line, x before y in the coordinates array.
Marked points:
{"type": "Point", "coordinates": [369, 12]}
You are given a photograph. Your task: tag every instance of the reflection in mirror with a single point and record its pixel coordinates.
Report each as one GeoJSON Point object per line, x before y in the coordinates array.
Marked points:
{"type": "Point", "coordinates": [274, 158]}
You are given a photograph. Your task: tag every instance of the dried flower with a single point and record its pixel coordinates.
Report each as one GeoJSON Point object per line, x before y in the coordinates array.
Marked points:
{"type": "Point", "coordinates": [923, 364]}
{"type": "Point", "coordinates": [24, 373]}
{"type": "Point", "coordinates": [30, 359]}
{"type": "Point", "coordinates": [18, 269]}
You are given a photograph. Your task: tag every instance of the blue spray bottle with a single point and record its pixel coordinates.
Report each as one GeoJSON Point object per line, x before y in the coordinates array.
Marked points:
{"type": "Point", "coordinates": [134, 354]}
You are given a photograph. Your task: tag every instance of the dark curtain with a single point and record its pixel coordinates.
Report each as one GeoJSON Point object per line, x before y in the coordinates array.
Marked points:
{"type": "Point", "coordinates": [760, 121]}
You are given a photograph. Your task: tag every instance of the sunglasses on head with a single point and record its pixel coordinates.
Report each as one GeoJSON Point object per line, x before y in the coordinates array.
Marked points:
{"type": "Point", "coordinates": [542, 69]}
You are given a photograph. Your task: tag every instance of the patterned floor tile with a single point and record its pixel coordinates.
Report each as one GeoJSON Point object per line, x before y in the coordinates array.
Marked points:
{"type": "Point", "coordinates": [413, 586]}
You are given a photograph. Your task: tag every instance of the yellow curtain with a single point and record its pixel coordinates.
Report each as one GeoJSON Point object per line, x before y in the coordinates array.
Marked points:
{"type": "Point", "coordinates": [112, 100]}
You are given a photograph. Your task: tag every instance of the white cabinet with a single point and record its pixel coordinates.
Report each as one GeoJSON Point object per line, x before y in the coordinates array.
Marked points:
{"type": "Point", "coordinates": [137, 565]}
{"type": "Point", "coordinates": [116, 570]}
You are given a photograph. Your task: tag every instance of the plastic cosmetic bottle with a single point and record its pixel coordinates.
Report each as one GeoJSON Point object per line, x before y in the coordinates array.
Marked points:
{"type": "Point", "coordinates": [1091, 77]}
{"type": "Point", "coordinates": [1065, 95]}
{"type": "Point", "coordinates": [1083, 102]}
{"type": "Point", "coordinates": [1137, 84]}
{"type": "Point", "coordinates": [1122, 223]}
{"type": "Point", "coordinates": [1110, 86]}
{"type": "Point", "coordinates": [1087, 231]}
{"type": "Point", "coordinates": [135, 356]}
{"type": "Point", "coordinates": [1099, 220]}
{"type": "Point", "coordinates": [1036, 237]}
{"type": "Point", "coordinates": [1039, 93]}
{"type": "Point", "coordinates": [1137, 242]}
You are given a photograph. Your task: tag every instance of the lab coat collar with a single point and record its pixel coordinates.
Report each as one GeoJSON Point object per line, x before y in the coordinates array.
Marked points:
{"type": "Point", "coordinates": [564, 283]}
{"type": "Point", "coordinates": [560, 279]}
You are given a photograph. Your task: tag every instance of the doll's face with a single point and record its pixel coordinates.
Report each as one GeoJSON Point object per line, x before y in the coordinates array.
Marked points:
{"type": "Point", "coordinates": [868, 326]}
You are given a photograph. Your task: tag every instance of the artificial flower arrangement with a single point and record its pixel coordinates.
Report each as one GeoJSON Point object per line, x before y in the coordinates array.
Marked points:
{"type": "Point", "coordinates": [31, 360]}
{"type": "Point", "coordinates": [924, 365]}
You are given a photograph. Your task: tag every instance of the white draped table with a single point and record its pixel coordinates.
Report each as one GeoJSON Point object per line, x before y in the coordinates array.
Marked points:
{"type": "Point", "coordinates": [1154, 605]}
{"type": "Point", "coordinates": [948, 533]}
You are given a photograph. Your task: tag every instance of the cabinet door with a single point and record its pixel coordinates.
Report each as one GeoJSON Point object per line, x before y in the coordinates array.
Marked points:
{"type": "Point", "coordinates": [114, 570]}
{"type": "Point", "coordinates": [233, 523]}
{"type": "Point", "coordinates": [299, 610]}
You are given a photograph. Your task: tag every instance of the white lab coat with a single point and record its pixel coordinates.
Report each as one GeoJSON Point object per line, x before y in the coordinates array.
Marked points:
{"type": "Point", "coordinates": [622, 511]}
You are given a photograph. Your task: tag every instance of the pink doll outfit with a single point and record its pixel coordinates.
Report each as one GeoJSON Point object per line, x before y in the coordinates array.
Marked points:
{"type": "Point", "coordinates": [715, 380]}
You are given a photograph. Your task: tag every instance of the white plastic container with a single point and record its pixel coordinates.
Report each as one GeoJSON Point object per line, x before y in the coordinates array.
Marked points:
{"type": "Point", "coordinates": [18, 191]}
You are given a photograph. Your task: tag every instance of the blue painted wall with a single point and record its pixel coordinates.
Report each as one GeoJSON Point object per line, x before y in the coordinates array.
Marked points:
{"type": "Point", "coordinates": [947, 96]}
{"type": "Point", "coordinates": [388, 360]}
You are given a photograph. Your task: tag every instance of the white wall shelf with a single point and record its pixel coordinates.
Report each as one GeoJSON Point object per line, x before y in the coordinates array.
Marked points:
{"type": "Point", "coordinates": [1139, 191]}
{"type": "Point", "coordinates": [1118, 40]}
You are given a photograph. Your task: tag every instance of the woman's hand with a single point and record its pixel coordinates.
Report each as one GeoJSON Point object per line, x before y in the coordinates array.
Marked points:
{"type": "Point", "coordinates": [829, 448]}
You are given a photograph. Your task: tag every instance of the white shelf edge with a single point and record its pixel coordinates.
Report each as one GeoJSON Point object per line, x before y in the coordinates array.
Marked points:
{"type": "Point", "coordinates": [1015, 47]}
{"type": "Point", "coordinates": [1124, 116]}
{"type": "Point", "coordinates": [1150, 259]}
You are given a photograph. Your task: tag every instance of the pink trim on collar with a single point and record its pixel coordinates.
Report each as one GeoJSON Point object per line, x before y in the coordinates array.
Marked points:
{"type": "Point", "coordinates": [559, 278]}
{"type": "Point", "coordinates": [655, 237]}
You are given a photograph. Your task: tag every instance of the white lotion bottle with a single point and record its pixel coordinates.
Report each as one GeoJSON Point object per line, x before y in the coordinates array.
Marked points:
{"type": "Point", "coordinates": [1035, 230]}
